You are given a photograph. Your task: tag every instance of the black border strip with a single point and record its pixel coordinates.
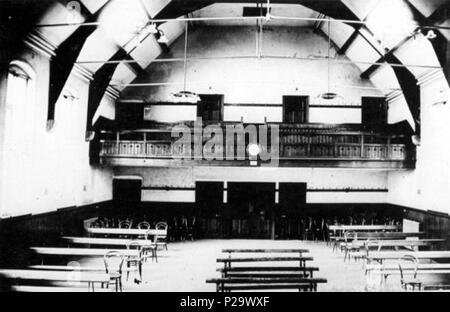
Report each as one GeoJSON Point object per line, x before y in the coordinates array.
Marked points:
{"type": "Point", "coordinates": [252, 105]}
{"type": "Point", "coordinates": [344, 190]}
{"type": "Point", "coordinates": [167, 188]}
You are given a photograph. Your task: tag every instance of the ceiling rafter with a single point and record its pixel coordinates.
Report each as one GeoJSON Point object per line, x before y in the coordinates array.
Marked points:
{"type": "Point", "coordinates": [66, 54]}
{"type": "Point", "coordinates": [440, 44]}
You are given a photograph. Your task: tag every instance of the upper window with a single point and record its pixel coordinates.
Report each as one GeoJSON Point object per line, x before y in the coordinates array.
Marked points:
{"type": "Point", "coordinates": [295, 109]}
{"type": "Point", "coordinates": [210, 107]}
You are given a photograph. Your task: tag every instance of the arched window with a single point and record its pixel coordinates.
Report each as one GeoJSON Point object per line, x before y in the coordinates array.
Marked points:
{"type": "Point", "coordinates": [18, 137]}
{"type": "Point", "coordinates": [19, 102]}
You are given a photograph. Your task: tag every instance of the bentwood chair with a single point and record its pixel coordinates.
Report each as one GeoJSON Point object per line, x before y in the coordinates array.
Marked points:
{"type": "Point", "coordinates": [144, 225]}
{"type": "Point", "coordinates": [149, 247]}
{"type": "Point", "coordinates": [409, 281]}
{"type": "Point", "coordinates": [161, 240]}
{"type": "Point", "coordinates": [136, 260]}
{"type": "Point", "coordinates": [125, 224]}
{"type": "Point", "coordinates": [113, 265]}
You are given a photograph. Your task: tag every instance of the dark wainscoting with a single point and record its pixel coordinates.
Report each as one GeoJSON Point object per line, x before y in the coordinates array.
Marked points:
{"type": "Point", "coordinates": [435, 224]}
{"type": "Point", "coordinates": [19, 233]}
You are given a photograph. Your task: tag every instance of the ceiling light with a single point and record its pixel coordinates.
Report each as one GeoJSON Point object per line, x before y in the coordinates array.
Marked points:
{"type": "Point", "coordinates": [162, 38]}
{"type": "Point", "coordinates": [328, 95]}
{"type": "Point", "coordinates": [185, 97]}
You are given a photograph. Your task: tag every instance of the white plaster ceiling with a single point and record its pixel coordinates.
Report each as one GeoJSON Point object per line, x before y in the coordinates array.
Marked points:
{"type": "Point", "coordinates": [389, 22]}
{"type": "Point", "coordinates": [427, 7]}
{"type": "Point", "coordinates": [236, 10]}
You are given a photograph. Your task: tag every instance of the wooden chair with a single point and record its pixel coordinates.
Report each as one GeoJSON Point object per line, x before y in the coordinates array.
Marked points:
{"type": "Point", "coordinates": [405, 281]}
{"type": "Point", "coordinates": [161, 240]}
{"type": "Point", "coordinates": [115, 276]}
{"type": "Point", "coordinates": [125, 224]}
{"type": "Point", "coordinates": [135, 261]}
{"type": "Point", "coordinates": [144, 225]}
{"type": "Point", "coordinates": [149, 247]}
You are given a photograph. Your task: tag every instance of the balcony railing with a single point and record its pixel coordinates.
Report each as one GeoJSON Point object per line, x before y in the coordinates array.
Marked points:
{"type": "Point", "coordinates": [295, 144]}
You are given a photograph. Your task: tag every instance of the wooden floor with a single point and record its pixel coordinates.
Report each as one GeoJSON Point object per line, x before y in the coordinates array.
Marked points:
{"type": "Point", "coordinates": [186, 266]}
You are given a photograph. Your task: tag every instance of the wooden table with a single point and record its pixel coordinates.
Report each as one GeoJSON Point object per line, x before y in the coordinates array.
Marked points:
{"type": "Point", "coordinates": [107, 241]}
{"type": "Point", "coordinates": [381, 256]}
{"type": "Point", "coordinates": [58, 276]}
{"type": "Point", "coordinates": [80, 252]}
{"type": "Point", "coordinates": [360, 227]}
{"type": "Point", "coordinates": [130, 232]}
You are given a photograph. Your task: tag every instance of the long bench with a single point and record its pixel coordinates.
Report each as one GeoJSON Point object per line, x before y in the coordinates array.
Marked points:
{"type": "Point", "coordinates": [302, 260]}
{"type": "Point", "coordinates": [300, 283]}
{"type": "Point", "coordinates": [258, 277]}
{"type": "Point", "coordinates": [297, 251]}
{"type": "Point", "coordinates": [267, 271]}
{"type": "Point", "coordinates": [20, 276]}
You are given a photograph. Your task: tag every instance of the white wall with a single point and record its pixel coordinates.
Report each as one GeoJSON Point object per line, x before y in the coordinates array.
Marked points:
{"type": "Point", "coordinates": [427, 187]}
{"type": "Point", "coordinates": [253, 81]}
{"type": "Point", "coordinates": [51, 170]}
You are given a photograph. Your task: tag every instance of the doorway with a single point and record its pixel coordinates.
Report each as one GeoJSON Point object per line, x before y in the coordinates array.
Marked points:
{"type": "Point", "coordinates": [126, 195]}
{"type": "Point", "coordinates": [250, 208]}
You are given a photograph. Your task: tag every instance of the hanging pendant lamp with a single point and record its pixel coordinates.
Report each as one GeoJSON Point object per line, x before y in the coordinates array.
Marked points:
{"type": "Point", "coordinates": [328, 95]}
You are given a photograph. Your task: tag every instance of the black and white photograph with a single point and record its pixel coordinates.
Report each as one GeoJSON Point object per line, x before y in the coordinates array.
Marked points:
{"type": "Point", "coordinates": [211, 147]}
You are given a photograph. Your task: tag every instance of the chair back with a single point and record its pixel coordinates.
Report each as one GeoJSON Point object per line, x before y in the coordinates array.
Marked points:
{"type": "Point", "coordinates": [124, 224]}
{"type": "Point", "coordinates": [408, 258]}
{"type": "Point", "coordinates": [350, 236]}
{"type": "Point", "coordinates": [112, 258]}
{"type": "Point", "coordinates": [161, 226]}
{"type": "Point", "coordinates": [134, 245]}
{"type": "Point", "coordinates": [144, 225]}
{"type": "Point", "coordinates": [148, 233]}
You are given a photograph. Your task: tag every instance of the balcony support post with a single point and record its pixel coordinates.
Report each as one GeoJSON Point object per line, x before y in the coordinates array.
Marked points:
{"type": "Point", "coordinates": [362, 145]}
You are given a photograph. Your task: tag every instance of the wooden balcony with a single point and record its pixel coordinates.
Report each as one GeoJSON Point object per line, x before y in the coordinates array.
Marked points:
{"type": "Point", "coordinates": [298, 146]}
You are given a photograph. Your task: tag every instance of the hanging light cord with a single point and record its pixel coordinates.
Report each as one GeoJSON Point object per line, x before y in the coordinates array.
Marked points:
{"type": "Point", "coordinates": [329, 47]}
{"type": "Point", "coordinates": [185, 56]}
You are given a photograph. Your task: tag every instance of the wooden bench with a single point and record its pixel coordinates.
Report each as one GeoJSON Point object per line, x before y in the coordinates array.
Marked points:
{"type": "Point", "coordinates": [19, 276]}
{"type": "Point", "coordinates": [298, 251]}
{"type": "Point", "coordinates": [267, 271]}
{"type": "Point", "coordinates": [300, 283]}
{"type": "Point", "coordinates": [227, 261]}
